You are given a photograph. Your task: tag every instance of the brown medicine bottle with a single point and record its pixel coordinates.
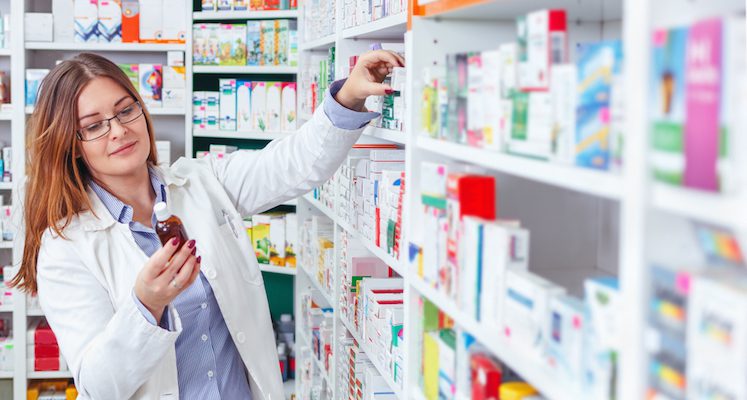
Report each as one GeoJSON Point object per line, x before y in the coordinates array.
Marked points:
{"type": "Point", "coordinates": [169, 226]}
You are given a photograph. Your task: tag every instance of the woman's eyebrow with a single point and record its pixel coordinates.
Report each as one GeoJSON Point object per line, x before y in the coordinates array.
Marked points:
{"type": "Point", "coordinates": [96, 113]}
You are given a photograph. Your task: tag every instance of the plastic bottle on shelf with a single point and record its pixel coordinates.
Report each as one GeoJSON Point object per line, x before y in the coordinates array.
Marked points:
{"type": "Point", "coordinates": [169, 226]}
{"type": "Point", "coordinates": [286, 329]}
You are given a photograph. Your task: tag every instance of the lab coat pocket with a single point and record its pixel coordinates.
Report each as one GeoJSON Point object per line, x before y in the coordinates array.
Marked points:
{"type": "Point", "coordinates": [231, 243]}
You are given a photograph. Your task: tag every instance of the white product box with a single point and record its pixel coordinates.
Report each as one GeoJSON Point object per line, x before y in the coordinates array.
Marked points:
{"type": "Point", "coordinates": [475, 101]}
{"type": "Point", "coordinates": [199, 110]}
{"type": "Point", "coordinates": [243, 106]}
{"type": "Point", "coordinates": [212, 110]}
{"type": "Point", "coordinates": [544, 38]}
{"type": "Point", "coordinates": [174, 77]}
{"type": "Point", "coordinates": [151, 84]}
{"type": "Point", "coordinates": [163, 148]}
{"type": "Point", "coordinates": [174, 98]}
{"type": "Point", "coordinates": [509, 68]}
{"type": "Point", "coordinates": [227, 104]}
{"type": "Point", "coordinates": [225, 5]}
{"type": "Point", "coordinates": [293, 48]}
{"type": "Point", "coordinates": [273, 106]}
{"type": "Point", "coordinates": [37, 27]}
{"type": "Point", "coordinates": [34, 78]}
{"type": "Point", "coordinates": [491, 96]}
{"type": "Point", "coordinates": [151, 21]}
{"type": "Point", "coordinates": [63, 12]}
{"type": "Point", "coordinates": [288, 107]}
{"type": "Point", "coordinates": [565, 337]}
{"type": "Point", "coordinates": [564, 95]}
{"type": "Point", "coordinates": [86, 21]}
{"type": "Point", "coordinates": [208, 5]}
{"type": "Point", "coordinates": [538, 140]}
{"type": "Point", "coordinates": [259, 106]}
{"type": "Point", "coordinates": [525, 309]}
{"type": "Point", "coordinates": [175, 58]}
{"type": "Point", "coordinates": [110, 21]}
{"type": "Point", "coordinates": [174, 21]}
{"type": "Point", "coordinates": [277, 240]}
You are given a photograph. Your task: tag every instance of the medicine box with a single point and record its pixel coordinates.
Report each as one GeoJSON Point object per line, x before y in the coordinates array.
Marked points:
{"type": "Point", "coordinates": [151, 84]}
{"type": "Point", "coordinates": [86, 21]}
{"type": "Point", "coordinates": [163, 149]}
{"type": "Point", "coordinates": [63, 24]}
{"type": "Point", "coordinates": [225, 5]}
{"type": "Point", "coordinates": [543, 41]}
{"type": "Point", "coordinates": [531, 134]}
{"type": "Point", "coordinates": [133, 72]}
{"type": "Point", "coordinates": [232, 46]}
{"type": "Point", "coordinates": [227, 104]}
{"type": "Point", "coordinates": [273, 103]}
{"type": "Point", "coordinates": [174, 22]}
{"type": "Point", "coordinates": [277, 240]}
{"type": "Point", "coordinates": [240, 5]}
{"type": "Point", "coordinates": [243, 106]}
{"type": "Point", "coordinates": [261, 237]}
{"type": "Point", "coordinates": [288, 107]}
{"type": "Point", "coordinates": [151, 24]}
{"type": "Point", "coordinates": [253, 43]}
{"type": "Point", "coordinates": [212, 110]}
{"type": "Point", "coordinates": [565, 337]}
{"type": "Point", "coordinates": [291, 239]}
{"type": "Point", "coordinates": [38, 27]}
{"type": "Point", "coordinates": [268, 41]}
{"type": "Point", "coordinates": [130, 21]}
{"type": "Point", "coordinates": [34, 78]}
{"type": "Point", "coordinates": [199, 110]}
{"type": "Point", "coordinates": [282, 46]}
{"type": "Point", "coordinates": [110, 21]}
{"type": "Point", "coordinates": [259, 106]}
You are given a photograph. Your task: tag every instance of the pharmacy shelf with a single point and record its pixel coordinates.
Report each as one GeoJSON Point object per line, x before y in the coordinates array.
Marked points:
{"type": "Point", "coordinates": [226, 15]}
{"type": "Point", "coordinates": [34, 312]}
{"type": "Point", "coordinates": [529, 368]}
{"type": "Point", "coordinates": [129, 47]}
{"type": "Point", "coordinates": [508, 10]}
{"type": "Point", "coordinates": [318, 286]}
{"type": "Point", "coordinates": [6, 185]}
{"type": "Point", "coordinates": [322, 43]}
{"type": "Point", "coordinates": [719, 209]}
{"type": "Point", "coordinates": [328, 212]}
{"type": "Point", "coordinates": [366, 349]}
{"type": "Point", "coordinates": [584, 180]}
{"type": "Point", "coordinates": [7, 374]}
{"type": "Point", "coordinates": [243, 69]}
{"type": "Point", "coordinates": [5, 53]}
{"type": "Point", "coordinates": [6, 244]}
{"type": "Point", "coordinates": [389, 135]}
{"type": "Point", "coordinates": [166, 111]}
{"type": "Point", "coordinates": [277, 270]}
{"type": "Point", "coordinates": [6, 116]}
{"type": "Point", "coordinates": [255, 135]}
{"type": "Point", "coordinates": [50, 375]}
{"type": "Point", "coordinates": [6, 308]}
{"type": "Point", "coordinates": [391, 27]}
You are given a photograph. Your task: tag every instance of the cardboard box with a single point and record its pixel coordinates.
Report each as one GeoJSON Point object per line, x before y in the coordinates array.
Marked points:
{"type": "Point", "coordinates": [283, 44]}
{"type": "Point", "coordinates": [212, 110]}
{"type": "Point", "coordinates": [199, 110]}
{"type": "Point", "coordinates": [273, 104]}
{"type": "Point", "coordinates": [565, 337]}
{"type": "Point", "coordinates": [63, 12]}
{"type": "Point", "coordinates": [244, 106]}
{"type": "Point", "coordinates": [293, 48]}
{"type": "Point", "coordinates": [232, 47]}
{"type": "Point", "coordinates": [261, 237]}
{"type": "Point", "coordinates": [174, 98]}
{"type": "Point", "coordinates": [288, 107]}
{"type": "Point", "coordinates": [174, 21]}
{"type": "Point", "coordinates": [267, 41]}
{"type": "Point", "coordinates": [86, 21]}
{"type": "Point", "coordinates": [151, 21]}
{"type": "Point", "coordinates": [38, 27]}
{"type": "Point", "coordinates": [475, 101]}
{"type": "Point", "coordinates": [277, 240]}
{"type": "Point", "coordinates": [209, 5]}
{"type": "Point", "coordinates": [163, 148]}
{"type": "Point", "coordinates": [543, 41]}
{"type": "Point", "coordinates": [130, 21]}
{"type": "Point", "coordinates": [151, 84]}
{"type": "Point", "coordinates": [133, 72]}
{"type": "Point", "coordinates": [259, 106]}
{"type": "Point", "coordinates": [227, 104]}
{"type": "Point", "coordinates": [253, 43]}
{"type": "Point", "coordinates": [531, 133]}
{"type": "Point", "coordinates": [34, 78]}
{"type": "Point", "coordinates": [563, 93]}
{"type": "Point", "coordinates": [174, 77]}
{"type": "Point", "coordinates": [175, 58]}
{"type": "Point", "coordinates": [110, 21]}
{"type": "Point", "coordinates": [225, 5]}
{"type": "Point", "coordinates": [240, 5]}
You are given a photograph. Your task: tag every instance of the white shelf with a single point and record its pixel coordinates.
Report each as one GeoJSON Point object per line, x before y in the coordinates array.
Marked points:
{"type": "Point", "coordinates": [6, 185]}
{"type": "Point", "coordinates": [243, 69]}
{"type": "Point", "coordinates": [719, 209]}
{"type": "Point", "coordinates": [364, 346]}
{"type": "Point", "coordinates": [529, 368]}
{"type": "Point", "coordinates": [389, 135]}
{"type": "Point", "coordinates": [7, 374]}
{"type": "Point", "coordinates": [50, 375]}
{"type": "Point", "coordinates": [166, 111]}
{"type": "Point", "coordinates": [322, 43]}
{"type": "Point", "coordinates": [224, 15]}
{"type": "Point", "coordinates": [318, 286]}
{"type": "Point", "coordinates": [584, 180]}
{"type": "Point", "coordinates": [130, 47]}
{"type": "Point", "coordinates": [277, 270]}
{"type": "Point", "coordinates": [5, 53]}
{"type": "Point", "coordinates": [329, 213]}
{"type": "Point", "coordinates": [256, 135]}
{"type": "Point", "coordinates": [391, 27]}
{"type": "Point", "coordinates": [6, 308]}
{"type": "Point", "coordinates": [6, 116]}
{"type": "Point", "coordinates": [34, 312]}
{"type": "Point", "coordinates": [292, 202]}
{"type": "Point", "coordinates": [6, 244]}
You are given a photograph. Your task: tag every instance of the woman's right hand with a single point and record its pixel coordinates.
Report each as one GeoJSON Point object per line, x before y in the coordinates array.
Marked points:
{"type": "Point", "coordinates": [167, 273]}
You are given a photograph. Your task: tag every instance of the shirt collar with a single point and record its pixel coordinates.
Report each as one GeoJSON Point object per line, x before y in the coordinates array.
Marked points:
{"type": "Point", "coordinates": [119, 210]}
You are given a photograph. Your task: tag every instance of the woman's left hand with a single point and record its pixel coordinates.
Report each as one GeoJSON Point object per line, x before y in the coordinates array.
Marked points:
{"type": "Point", "coordinates": [365, 79]}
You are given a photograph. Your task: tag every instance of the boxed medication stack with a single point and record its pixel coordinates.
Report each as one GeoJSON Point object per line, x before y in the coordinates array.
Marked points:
{"type": "Point", "coordinates": [43, 352]}
{"type": "Point", "coordinates": [151, 84]}
{"type": "Point", "coordinates": [227, 104]}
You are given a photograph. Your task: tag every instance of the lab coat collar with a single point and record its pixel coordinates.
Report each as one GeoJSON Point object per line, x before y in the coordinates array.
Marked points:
{"type": "Point", "coordinates": [99, 217]}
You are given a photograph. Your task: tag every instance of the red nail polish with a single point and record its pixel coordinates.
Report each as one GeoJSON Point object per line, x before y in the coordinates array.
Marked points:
{"type": "Point", "coordinates": [199, 259]}
{"type": "Point", "coordinates": [175, 241]}
{"type": "Point", "coordinates": [194, 250]}
{"type": "Point", "coordinates": [191, 243]}
{"type": "Point", "coordinates": [389, 91]}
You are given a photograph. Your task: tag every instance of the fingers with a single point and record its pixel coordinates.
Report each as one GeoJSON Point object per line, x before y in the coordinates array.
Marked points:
{"type": "Point", "coordinates": [160, 258]}
{"type": "Point", "coordinates": [184, 277]}
{"type": "Point", "coordinates": [179, 259]}
{"type": "Point", "coordinates": [378, 89]}
{"type": "Point", "coordinates": [384, 56]}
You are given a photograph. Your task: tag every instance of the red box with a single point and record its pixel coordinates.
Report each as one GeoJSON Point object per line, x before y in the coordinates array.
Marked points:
{"type": "Point", "coordinates": [47, 364]}
{"type": "Point", "coordinates": [46, 351]}
{"type": "Point", "coordinates": [43, 334]}
{"type": "Point", "coordinates": [486, 377]}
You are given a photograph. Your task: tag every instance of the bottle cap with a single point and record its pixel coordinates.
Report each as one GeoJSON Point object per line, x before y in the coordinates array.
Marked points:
{"type": "Point", "coordinates": [161, 211]}
{"type": "Point", "coordinates": [285, 317]}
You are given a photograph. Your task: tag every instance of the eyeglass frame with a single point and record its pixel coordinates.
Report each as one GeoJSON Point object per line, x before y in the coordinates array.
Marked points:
{"type": "Point", "coordinates": [79, 134]}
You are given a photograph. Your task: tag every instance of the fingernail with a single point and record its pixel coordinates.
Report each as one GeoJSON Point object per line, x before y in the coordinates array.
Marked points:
{"type": "Point", "coordinates": [389, 91]}
{"type": "Point", "coordinates": [191, 243]}
{"type": "Point", "coordinates": [199, 259]}
{"type": "Point", "coordinates": [194, 250]}
{"type": "Point", "coordinates": [175, 241]}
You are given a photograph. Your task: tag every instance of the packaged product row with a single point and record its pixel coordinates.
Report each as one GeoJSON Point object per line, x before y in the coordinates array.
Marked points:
{"type": "Point", "coordinates": [314, 79]}
{"type": "Point", "coordinates": [316, 238]}
{"type": "Point", "coordinates": [275, 238]}
{"type": "Point", "coordinates": [52, 390]}
{"type": "Point", "coordinates": [319, 18]}
{"type": "Point", "coordinates": [252, 5]}
{"type": "Point", "coordinates": [42, 349]}
{"type": "Point", "coordinates": [265, 43]}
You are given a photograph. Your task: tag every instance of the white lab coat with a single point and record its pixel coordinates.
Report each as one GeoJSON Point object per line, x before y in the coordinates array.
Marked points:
{"type": "Point", "coordinates": [85, 283]}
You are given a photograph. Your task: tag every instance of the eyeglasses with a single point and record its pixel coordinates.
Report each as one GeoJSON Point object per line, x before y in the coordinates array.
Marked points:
{"type": "Point", "coordinates": [99, 129]}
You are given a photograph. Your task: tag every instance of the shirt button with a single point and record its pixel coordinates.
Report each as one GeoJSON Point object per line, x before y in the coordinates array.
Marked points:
{"type": "Point", "coordinates": [210, 374]}
{"type": "Point", "coordinates": [211, 274]}
{"type": "Point", "coordinates": [240, 337]}
{"type": "Point", "coordinates": [204, 338]}
{"type": "Point", "coordinates": [203, 305]}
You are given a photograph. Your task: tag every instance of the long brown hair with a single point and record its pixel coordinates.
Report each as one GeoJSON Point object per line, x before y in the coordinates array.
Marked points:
{"type": "Point", "coordinates": [57, 175]}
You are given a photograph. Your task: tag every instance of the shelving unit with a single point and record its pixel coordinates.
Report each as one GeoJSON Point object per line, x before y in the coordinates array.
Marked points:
{"type": "Point", "coordinates": [240, 134]}
{"type": "Point", "coordinates": [391, 27]}
{"type": "Point", "coordinates": [118, 47]}
{"type": "Point", "coordinates": [248, 69]}
{"type": "Point", "coordinates": [277, 270]}
{"type": "Point", "coordinates": [243, 15]}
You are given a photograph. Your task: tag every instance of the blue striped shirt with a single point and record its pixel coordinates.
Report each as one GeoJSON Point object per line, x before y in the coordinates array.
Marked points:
{"type": "Point", "coordinates": [208, 363]}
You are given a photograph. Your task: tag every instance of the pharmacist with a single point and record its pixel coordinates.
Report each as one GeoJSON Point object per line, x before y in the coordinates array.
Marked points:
{"type": "Point", "coordinates": [134, 319]}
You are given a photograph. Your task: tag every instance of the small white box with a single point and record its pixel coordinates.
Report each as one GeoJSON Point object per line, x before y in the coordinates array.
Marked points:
{"type": "Point", "coordinates": [199, 110]}
{"type": "Point", "coordinates": [259, 100]}
{"type": "Point", "coordinates": [86, 21]}
{"type": "Point", "coordinates": [273, 106]}
{"type": "Point", "coordinates": [110, 21]}
{"type": "Point", "coordinates": [174, 98]}
{"type": "Point", "coordinates": [63, 12]}
{"type": "Point", "coordinates": [212, 110]}
{"type": "Point", "coordinates": [244, 106]}
{"type": "Point", "coordinates": [175, 58]}
{"type": "Point", "coordinates": [151, 21]}
{"type": "Point", "coordinates": [151, 84]}
{"type": "Point", "coordinates": [227, 104]}
{"type": "Point", "coordinates": [174, 77]}
{"type": "Point", "coordinates": [289, 117]}
{"type": "Point", "coordinates": [37, 27]}
{"type": "Point", "coordinates": [174, 21]}
{"type": "Point", "coordinates": [163, 148]}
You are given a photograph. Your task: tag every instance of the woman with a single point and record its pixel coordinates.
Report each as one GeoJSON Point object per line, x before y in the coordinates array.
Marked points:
{"type": "Point", "coordinates": [135, 319]}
